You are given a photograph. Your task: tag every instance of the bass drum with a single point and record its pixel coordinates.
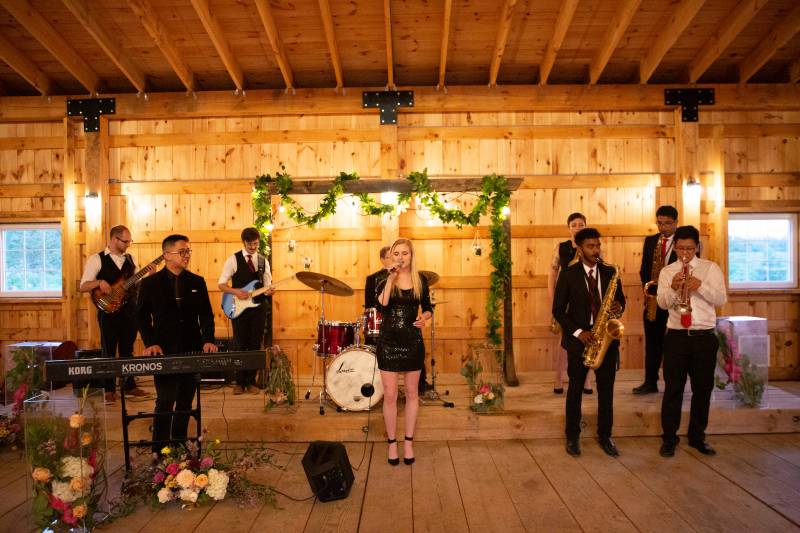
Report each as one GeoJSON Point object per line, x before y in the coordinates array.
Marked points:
{"type": "Point", "coordinates": [349, 377]}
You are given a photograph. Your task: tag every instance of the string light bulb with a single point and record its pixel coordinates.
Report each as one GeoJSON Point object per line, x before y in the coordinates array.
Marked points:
{"type": "Point", "coordinates": [505, 211]}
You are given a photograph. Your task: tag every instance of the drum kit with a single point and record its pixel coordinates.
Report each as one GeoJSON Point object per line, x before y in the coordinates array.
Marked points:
{"type": "Point", "coordinates": [349, 367]}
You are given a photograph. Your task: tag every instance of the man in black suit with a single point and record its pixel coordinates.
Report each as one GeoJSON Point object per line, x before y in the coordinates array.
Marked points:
{"type": "Point", "coordinates": [654, 331]}
{"type": "Point", "coordinates": [175, 317]}
{"type": "Point", "coordinates": [578, 298]}
{"type": "Point", "coordinates": [370, 297]}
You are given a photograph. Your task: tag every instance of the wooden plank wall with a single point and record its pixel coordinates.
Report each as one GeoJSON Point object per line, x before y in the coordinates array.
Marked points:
{"type": "Point", "coordinates": [194, 176]}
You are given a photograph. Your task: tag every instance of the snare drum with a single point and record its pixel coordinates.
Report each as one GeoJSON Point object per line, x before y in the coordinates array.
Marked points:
{"type": "Point", "coordinates": [349, 377]}
{"type": "Point", "coordinates": [373, 320]}
{"type": "Point", "coordinates": [334, 337]}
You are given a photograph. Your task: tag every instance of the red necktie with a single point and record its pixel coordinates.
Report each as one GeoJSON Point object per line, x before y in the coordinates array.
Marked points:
{"type": "Point", "coordinates": [663, 248]}
{"type": "Point", "coordinates": [250, 263]}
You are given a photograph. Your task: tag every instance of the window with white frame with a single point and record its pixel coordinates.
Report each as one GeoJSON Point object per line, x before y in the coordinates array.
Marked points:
{"type": "Point", "coordinates": [762, 250]}
{"type": "Point", "coordinates": [30, 260]}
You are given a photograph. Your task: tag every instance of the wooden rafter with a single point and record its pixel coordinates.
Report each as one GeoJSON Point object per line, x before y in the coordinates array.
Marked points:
{"type": "Point", "coordinates": [723, 37]}
{"type": "Point", "coordinates": [265, 12]}
{"type": "Point", "coordinates": [83, 11]}
{"type": "Point", "coordinates": [330, 37]}
{"type": "Point", "coordinates": [565, 14]}
{"type": "Point", "coordinates": [387, 26]}
{"type": "Point", "coordinates": [146, 14]}
{"type": "Point", "coordinates": [501, 41]}
{"type": "Point", "coordinates": [787, 28]}
{"type": "Point", "coordinates": [24, 66]}
{"type": "Point", "coordinates": [46, 34]}
{"type": "Point", "coordinates": [220, 42]}
{"type": "Point", "coordinates": [794, 71]}
{"type": "Point", "coordinates": [678, 22]}
{"type": "Point", "coordinates": [448, 13]}
{"type": "Point", "coordinates": [614, 32]}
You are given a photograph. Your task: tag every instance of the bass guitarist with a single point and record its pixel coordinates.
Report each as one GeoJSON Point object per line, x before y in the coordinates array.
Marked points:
{"type": "Point", "coordinates": [118, 329]}
{"type": "Point", "coordinates": [241, 268]}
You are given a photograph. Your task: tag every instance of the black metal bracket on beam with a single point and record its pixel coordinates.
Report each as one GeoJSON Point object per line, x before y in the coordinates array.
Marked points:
{"type": "Point", "coordinates": [388, 102]}
{"type": "Point", "coordinates": [689, 100]}
{"type": "Point", "coordinates": [91, 109]}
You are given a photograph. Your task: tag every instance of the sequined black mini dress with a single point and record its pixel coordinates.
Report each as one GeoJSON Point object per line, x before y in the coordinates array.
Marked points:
{"type": "Point", "coordinates": [400, 346]}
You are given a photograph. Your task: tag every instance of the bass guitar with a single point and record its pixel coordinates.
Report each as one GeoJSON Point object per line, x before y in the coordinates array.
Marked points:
{"type": "Point", "coordinates": [233, 306]}
{"type": "Point", "coordinates": [120, 290]}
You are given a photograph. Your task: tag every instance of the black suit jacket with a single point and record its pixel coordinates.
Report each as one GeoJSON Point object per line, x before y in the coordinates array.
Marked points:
{"type": "Point", "coordinates": [371, 286]}
{"type": "Point", "coordinates": [571, 305]}
{"type": "Point", "coordinates": [650, 243]}
{"type": "Point", "coordinates": [161, 322]}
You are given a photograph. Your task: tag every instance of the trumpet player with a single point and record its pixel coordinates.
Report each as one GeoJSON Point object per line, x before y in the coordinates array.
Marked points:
{"type": "Point", "coordinates": [690, 290]}
{"type": "Point", "coordinates": [579, 302]}
{"type": "Point", "coordinates": [658, 252]}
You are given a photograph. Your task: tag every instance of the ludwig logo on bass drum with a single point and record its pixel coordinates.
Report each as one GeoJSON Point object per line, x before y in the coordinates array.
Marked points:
{"type": "Point", "coordinates": [343, 370]}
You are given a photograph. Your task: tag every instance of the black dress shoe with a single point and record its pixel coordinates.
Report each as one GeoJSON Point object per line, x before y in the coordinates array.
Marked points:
{"type": "Point", "coordinates": [588, 391]}
{"type": "Point", "coordinates": [608, 446]}
{"type": "Point", "coordinates": [573, 447]}
{"type": "Point", "coordinates": [645, 388]}
{"type": "Point", "coordinates": [667, 449]}
{"type": "Point", "coordinates": [558, 390]}
{"type": "Point", "coordinates": [704, 448]}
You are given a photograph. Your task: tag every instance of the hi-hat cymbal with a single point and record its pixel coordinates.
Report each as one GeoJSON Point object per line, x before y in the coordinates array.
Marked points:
{"type": "Point", "coordinates": [332, 285]}
{"type": "Point", "coordinates": [431, 276]}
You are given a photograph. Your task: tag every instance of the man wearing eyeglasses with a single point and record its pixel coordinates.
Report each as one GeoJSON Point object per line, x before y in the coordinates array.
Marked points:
{"type": "Point", "coordinates": [176, 318]}
{"type": "Point", "coordinates": [117, 330]}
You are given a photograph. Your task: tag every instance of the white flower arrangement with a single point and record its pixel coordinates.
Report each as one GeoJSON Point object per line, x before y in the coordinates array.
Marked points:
{"type": "Point", "coordinates": [75, 467]}
{"type": "Point", "coordinates": [217, 484]}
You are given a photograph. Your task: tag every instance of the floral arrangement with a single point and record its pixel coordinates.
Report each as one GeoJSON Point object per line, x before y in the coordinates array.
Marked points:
{"type": "Point", "coordinates": [11, 426]}
{"type": "Point", "coordinates": [26, 371]}
{"type": "Point", "coordinates": [740, 372]}
{"type": "Point", "coordinates": [486, 396]}
{"type": "Point", "coordinates": [280, 387]}
{"type": "Point", "coordinates": [66, 458]}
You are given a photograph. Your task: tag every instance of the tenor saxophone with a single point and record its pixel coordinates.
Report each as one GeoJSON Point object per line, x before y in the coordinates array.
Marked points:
{"type": "Point", "coordinates": [607, 326]}
{"type": "Point", "coordinates": [650, 303]}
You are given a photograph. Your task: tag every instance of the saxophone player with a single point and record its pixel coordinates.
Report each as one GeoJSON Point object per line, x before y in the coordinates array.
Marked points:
{"type": "Point", "coordinates": [577, 304]}
{"type": "Point", "coordinates": [658, 252]}
{"type": "Point", "coordinates": [690, 290]}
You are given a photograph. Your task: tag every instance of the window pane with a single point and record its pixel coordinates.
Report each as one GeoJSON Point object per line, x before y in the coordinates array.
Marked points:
{"type": "Point", "coordinates": [34, 260]}
{"type": "Point", "coordinates": [761, 250]}
{"type": "Point", "coordinates": [15, 280]}
{"type": "Point", "coordinates": [52, 257]}
{"type": "Point", "coordinates": [34, 239]}
{"type": "Point", "coordinates": [52, 280]}
{"type": "Point", "coordinates": [13, 239]}
{"type": "Point", "coordinates": [778, 275]}
{"type": "Point", "coordinates": [14, 260]}
{"type": "Point", "coordinates": [34, 281]}
{"type": "Point", "coordinates": [52, 239]}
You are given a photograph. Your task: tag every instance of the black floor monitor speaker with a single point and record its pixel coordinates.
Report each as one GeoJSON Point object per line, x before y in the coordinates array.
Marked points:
{"type": "Point", "coordinates": [328, 470]}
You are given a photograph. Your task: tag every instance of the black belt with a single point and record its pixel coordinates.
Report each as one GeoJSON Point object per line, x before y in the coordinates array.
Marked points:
{"type": "Point", "coordinates": [691, 332]}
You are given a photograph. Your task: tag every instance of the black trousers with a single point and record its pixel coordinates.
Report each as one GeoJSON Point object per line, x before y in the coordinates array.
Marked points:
{"type": "Point", "coordinates": [605, 376]}
{"type": "Point", "coordinates": [117, 335]}
{"type": "Point", "coordinates": [174, 392]}
{"type": "Point", "coordinates": [654, 345]}
{"type": "Point", "coordinates": [696, 357]}
{"type": "Point", "coordinates": [248, 334]}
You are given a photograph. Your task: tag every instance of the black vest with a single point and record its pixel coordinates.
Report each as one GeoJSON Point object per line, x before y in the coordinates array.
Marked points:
{"type": "Point", "coordinates": [111, 274]}
{"type": "Point", "coordinates": [566, 253]}
{"type": "Point", "coordinates": [243, 276]}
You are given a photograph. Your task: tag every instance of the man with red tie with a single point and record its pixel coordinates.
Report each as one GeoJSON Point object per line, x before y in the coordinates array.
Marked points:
{"type": "Point", "coordinates": [241, 268]}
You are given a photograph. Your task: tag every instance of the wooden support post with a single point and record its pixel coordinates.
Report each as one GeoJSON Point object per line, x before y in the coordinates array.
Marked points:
{"type": "Point", "coordinates": [715, 195]}
{"type": "Point", "coordinates": [510, 370]}
{"type": "Point", "coordinates": [70, 253]}
{"type": "Point", "coordinates": [390, 165]}
{"type": "Point", "coordinates": [687, 197]}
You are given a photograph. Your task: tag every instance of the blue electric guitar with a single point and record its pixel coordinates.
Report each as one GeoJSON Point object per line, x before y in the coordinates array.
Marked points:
{"type": "Point", "coordinates": [233, 306]}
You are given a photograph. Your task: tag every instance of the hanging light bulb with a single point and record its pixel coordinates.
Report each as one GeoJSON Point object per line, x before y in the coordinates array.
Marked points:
{"type": "Point", "coordinates": [269, 227]}
{"type": "Point", "coordinates": [505, 211]}
{"type": "Point", "coordinates": [281, 209]}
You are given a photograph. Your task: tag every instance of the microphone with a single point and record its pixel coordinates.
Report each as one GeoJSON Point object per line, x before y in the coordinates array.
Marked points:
{"type": "Point", "coordinates": [394, 268]}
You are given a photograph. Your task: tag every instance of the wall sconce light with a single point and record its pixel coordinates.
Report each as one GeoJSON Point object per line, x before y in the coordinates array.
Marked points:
{"type": "Point", "coordinates": [92, 208]}
{"type": "Point", "coordinates": [693, 182]}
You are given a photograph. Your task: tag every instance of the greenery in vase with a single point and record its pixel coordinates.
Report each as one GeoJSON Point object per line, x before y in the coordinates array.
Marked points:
{"type": "Point", "coordinates": [280, 387]}
{"type": "Point", "coordinates": [741, 373]}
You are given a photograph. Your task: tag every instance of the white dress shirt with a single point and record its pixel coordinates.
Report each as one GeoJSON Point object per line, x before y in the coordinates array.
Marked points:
{"type": "Point", "coordinates": [596, 275]}
{"type": "Point", "coordinates": [94, 264]}
{"type": "Point", "coordinates": [229, 268]}
{"type": "Point", "coordinates": [704, 301]}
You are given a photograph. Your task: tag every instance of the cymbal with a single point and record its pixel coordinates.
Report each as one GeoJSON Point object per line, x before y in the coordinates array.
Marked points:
{"type": "Point", "coordinates": [431, 276]}
{"type": "Point", "coordinates": [332, 285]}
{"type": "Point", "coordinates": [437, 302]}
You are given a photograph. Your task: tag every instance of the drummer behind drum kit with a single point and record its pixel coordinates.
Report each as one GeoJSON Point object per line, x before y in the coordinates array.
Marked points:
{"type": "Point", "coordinates": [350, 369]}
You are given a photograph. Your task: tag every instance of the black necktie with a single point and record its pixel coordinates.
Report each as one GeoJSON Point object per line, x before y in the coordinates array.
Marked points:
{"type": "Point", "coordinates": [594, 294]}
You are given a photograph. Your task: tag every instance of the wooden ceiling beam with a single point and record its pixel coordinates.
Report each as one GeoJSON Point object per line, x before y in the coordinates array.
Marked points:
{"type": "Point", "coordinates": [787, 28]}
{"type": "Point", "coordinates": [221, 44]}
{"type": "Point", "coordinates": [146, 14]}
{"type": "Point", "coordinates": [501, 40]}
{"type": "Point", "coordinates": [681, 18]}
{"type": "Point", "coordinates": [448, 14]}
{"type": "Point", "coordinates": [330, 37]}
{"type": "Point", "coordinates": [564, 19]}
{"type": "Point", "coordinates": [83, 11]}
{"type": "Point", "coordinates": [24, 67]}
{"type": "Point", "coordinates": [46, 34]}
{"type": "Point", "coordinates": [614, 32]}
{"type": "Point", "coordinates": [740, 17]}
{"type": "Point", "coordinates": [794, 71]}
{"type": "Point", "coordinates": [387, 27]}
{"type": "Point", "coordinates": [265, 12]}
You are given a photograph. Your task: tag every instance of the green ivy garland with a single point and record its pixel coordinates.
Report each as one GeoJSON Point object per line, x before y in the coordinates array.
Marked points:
{"type": "Point", "coordinates": [494, 198]}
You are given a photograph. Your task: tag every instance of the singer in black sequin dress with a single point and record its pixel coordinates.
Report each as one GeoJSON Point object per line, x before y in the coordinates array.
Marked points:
{"type": "Point", "coordinates": [400, 346]}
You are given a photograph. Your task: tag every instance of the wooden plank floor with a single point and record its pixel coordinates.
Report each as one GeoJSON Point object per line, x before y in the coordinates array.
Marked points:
{"type": "Point", "coordinates": [500, 485]}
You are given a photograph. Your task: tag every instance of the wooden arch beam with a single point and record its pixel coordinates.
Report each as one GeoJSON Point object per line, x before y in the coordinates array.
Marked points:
{"type": "Point", "coordinates": [265, 12]}
{"type": "Point", "coordinates": [723, 37]}
{"type": "Point", "coordinates": [83, 11]}
{"type": "Point", "coordinates": [448, 14]}
{"type": "Point", "coordinates": [501, 41]}
{"type": "Point", "coordinates": [24, 67]}
{"type": "Point", "coordinates": [565, 14]}
{"type": "Point", "coordinates": [330, 37]}
{"type": "Point", "coordinates": [616, 29]}
{"type": "Point", "coordinates": [220, 42]}
{"type": "Point", "coordinates": [678, 22]}
{"type": "Point", "coordinates": [46, 34]}
{"type": "Point", "coordinates": [146, 14]}
{"type": "Point", "coordinates": [779, 36]}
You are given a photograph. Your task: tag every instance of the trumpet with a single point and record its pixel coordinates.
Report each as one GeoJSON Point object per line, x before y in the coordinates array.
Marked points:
{"type": "Point", "coordinates": [684, 298]}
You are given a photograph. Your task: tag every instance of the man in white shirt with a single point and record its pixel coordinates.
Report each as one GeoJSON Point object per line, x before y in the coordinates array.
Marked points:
{"type": "Point", "coordinates": [117, 330]}
{"type": "Point", "coordinates": [241, 268]}
{"type": "Point", "coordinates": [690, 345]}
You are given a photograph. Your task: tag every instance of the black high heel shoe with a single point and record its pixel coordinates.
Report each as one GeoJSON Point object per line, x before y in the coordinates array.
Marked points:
{"type": "Point", "coordinates": [408, 460]}
{"type": "Point", "coordinates": [396, 460]}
